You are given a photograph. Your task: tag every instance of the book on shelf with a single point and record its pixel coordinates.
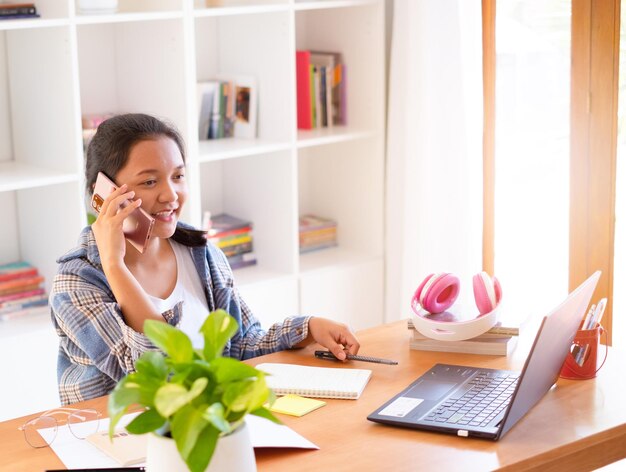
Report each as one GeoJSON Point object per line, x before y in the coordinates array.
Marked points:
{"type": "Point", "coordinates": [21, 290]}
{"type": "Point", "coordinates": [303, 88]}
{"type": "Point", "coordinates": [16, 270]}
{"type": "Point", "coordinates": [243, 248]}
{"type": "Point", "coordinates": [242, 260]}
{"type": "Point", "coordinates": [316, 232]}
{"type": "Point", "coordinates": [321, 89]}
{"type": "Point", "coordinates": [233, 236]}
{"type": "Point", "coordinates": [223, 223]}
{"type": "Point", "coordinates": [232, 240]}
{"type": "Point", "coordinates": [227, 108]}
{"type": "Point", "coordinates": [317, 382]}
{"type": "Point", "coordinates": [11, 10]}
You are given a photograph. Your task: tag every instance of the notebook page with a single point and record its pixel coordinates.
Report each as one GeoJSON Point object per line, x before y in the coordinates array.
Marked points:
{"type": "Point", "coordinates": [320, 382]}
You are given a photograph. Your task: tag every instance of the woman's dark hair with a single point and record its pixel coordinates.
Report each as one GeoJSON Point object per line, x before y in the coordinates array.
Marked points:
{"type": "Point", "coordinates": [110, 147]}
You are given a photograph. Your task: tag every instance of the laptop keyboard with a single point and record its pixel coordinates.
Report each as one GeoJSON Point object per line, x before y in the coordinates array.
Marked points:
{"type": "Point", "coordinates": [490, 393]}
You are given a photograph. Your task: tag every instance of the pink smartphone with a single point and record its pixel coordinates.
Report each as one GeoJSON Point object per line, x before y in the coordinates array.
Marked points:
{"type": "Point", "coordinates": [137, 226]}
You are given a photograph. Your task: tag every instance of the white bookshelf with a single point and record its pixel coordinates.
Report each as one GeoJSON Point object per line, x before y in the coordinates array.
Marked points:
{"type": "Point", "coordinates": [148, 57]}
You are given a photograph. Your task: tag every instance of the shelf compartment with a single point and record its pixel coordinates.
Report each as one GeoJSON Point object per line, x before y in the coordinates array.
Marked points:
{"type": "Point", "coordinates": [133, 68]}
{"type": "Point", "coordinates": [261, 189]}
{"type": "Point", "coordinates": [325, 29]}
{"type": "Point", "coordinates": [342, 181]}
{"type": "Point", "coordinates": [255, 46]}
{"type": "Point", "coordinates": [37, 99]}
{"type": "Point", "coordinates": [46, 222]}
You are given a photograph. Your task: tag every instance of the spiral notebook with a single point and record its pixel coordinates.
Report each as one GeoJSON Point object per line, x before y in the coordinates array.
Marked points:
{"type": "Point", "coordinates": [318, 382]}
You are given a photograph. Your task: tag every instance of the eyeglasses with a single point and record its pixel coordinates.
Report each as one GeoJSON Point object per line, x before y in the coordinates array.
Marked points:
{"type": "Point", "coordinates": [81, 423]}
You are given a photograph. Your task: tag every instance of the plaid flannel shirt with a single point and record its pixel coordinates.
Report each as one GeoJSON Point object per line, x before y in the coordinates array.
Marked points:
{"type": "Point", "coordinates": [96, 347]}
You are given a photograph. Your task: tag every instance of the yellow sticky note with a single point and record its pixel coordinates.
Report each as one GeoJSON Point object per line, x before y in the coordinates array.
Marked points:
{"type": "Point", "coordinates": [296, 405]}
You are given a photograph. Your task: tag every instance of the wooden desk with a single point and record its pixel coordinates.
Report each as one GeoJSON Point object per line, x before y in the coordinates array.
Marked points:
{"type": "Point", "coordinates": [579, 425]}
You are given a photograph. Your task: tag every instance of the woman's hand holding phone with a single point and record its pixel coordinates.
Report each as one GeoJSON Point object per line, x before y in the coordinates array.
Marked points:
{"type": "Point", "coordinates": [137, 224]}
{"type": "Point", "coordinates": [108, 227]}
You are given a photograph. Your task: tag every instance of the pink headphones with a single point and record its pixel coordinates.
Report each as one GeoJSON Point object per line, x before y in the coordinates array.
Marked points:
{"type": "Point", "coordinates": [438, 292]}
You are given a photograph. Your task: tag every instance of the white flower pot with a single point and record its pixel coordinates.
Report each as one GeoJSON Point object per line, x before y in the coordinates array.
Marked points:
{"type": "Point", "coordinates": [233, 452]}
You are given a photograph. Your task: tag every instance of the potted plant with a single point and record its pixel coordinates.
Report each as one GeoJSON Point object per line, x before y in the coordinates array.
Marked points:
{"type": "Point", "coordinates": [197, 398]}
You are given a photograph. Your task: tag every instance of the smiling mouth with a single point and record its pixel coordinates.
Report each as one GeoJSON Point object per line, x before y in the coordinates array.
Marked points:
{"type": "Point", "coordinates": [164, 215]}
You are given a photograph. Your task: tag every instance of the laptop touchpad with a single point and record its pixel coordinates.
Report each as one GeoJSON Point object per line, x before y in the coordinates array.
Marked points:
{"type": "Point", "coordinates": [430, 390]}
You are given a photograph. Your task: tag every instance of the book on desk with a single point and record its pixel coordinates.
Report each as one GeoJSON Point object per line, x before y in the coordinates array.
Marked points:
{"type": "Point", "coordinates": [500, 340]}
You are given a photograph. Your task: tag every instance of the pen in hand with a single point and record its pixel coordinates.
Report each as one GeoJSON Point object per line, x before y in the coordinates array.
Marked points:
{"type": "Point", "coordinates": [351, 357]}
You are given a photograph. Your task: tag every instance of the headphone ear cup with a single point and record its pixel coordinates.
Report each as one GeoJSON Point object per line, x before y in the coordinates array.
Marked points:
{"type": "Point", "coordinates": [438, 292]}
{"type": "Point", "coordinates": [487, 292]}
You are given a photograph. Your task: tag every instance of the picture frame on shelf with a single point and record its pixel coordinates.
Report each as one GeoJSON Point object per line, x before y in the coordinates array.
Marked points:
{"type": "Point", "coordinates": [245, 107]}
{"type": "Point", "coordinates": [244, 111]}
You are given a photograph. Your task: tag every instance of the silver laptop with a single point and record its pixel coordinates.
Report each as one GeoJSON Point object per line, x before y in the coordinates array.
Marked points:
{"type": "Point", "coordinates": [486, 403]}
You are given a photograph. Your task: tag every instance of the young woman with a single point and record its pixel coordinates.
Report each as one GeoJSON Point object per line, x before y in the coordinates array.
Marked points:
{"type": "Point", "coordinates": [105, 289]}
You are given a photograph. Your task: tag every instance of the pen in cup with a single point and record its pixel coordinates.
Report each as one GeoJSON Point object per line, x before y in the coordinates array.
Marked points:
{"type": "Point", "coordinates": [592, 321]}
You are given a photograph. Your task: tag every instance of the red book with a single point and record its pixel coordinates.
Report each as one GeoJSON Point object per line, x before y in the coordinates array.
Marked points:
{"type": "Point", "coordinates": [18, 273]}
{"type": "Point", "coordinates": [303, 87]}
{"type": "Point", "coordinates": [20, 295]}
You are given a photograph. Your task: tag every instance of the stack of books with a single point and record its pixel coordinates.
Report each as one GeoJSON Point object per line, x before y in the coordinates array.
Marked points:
{"type": "Point", "coordinates": [321, 89]}
{"type": "Point", "coordinates": [500, 340]}
{"type": "Point", "coordinates": [234, 237]}
{"type": "Point", "coordinates": [317, 233]}
{"type": "Point", "coordinates": [12, 11]}
{"type": "Point", "coordinates": [21, 290]}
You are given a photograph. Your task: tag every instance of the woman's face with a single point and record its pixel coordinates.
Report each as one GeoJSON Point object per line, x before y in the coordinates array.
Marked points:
{"type": "Point", "coordinates": [156, 172]}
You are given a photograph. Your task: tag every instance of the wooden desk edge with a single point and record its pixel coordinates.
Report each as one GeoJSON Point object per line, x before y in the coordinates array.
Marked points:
{"type": "Point", "coordinates": [586, 454]}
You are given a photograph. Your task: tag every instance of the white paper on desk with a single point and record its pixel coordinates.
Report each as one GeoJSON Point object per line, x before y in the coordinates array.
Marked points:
{"type": "Point", "coordinates": [265, 433]}
{"type": "Point", "coordinates": [80, 454]}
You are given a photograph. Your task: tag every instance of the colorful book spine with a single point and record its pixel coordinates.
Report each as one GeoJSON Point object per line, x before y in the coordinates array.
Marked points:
{"type": "Point", "coordinates": [303, 87]}
{"type": "Point", "coordinates": [19, 295]}
{"type": "Point", "coordinates": [233, 241]}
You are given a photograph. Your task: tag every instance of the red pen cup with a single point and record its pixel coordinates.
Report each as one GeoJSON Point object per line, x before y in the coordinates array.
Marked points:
{"type": "Point", "coordinates": [582, 360]}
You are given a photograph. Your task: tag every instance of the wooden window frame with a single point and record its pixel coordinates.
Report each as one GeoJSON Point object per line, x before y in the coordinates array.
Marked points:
{"type": "Point", "coordinates": [593, 142]}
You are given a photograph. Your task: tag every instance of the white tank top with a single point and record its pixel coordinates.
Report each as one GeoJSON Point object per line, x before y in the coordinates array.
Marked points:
{"type": "Point", "coordinates": [188, 289]}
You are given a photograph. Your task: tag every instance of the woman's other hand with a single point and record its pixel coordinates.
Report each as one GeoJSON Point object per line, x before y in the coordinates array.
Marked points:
{"type": "Point", "coordinates": [334, 336]}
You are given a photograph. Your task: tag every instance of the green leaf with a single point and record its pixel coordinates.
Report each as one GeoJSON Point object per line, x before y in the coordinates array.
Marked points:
{"type": "Point", "coordinates": [217, 329]}
{"type": "Point", "coordinates": [186, 427]}
{"type": "Point", "coordinates": [214, 414]}
{"type": "Point", "coordinates": [149, 420]}
{"type": "Point", "coordinates": [201, 454]}
{"type": "Point", "coordinates": [265, 413]}
{"type": "Point", "coordinates": [171, 397]}
{"type": "Point", "coordinates": [125, 394]}
{"type": "Point", "coordinates": [227, 370]}
{"type": "Point", "coordinates": [152, 365]}
{"type": "Point", "coordinates": [170, 340]}
{"type": "Point", "coordinates": [246, 395]}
